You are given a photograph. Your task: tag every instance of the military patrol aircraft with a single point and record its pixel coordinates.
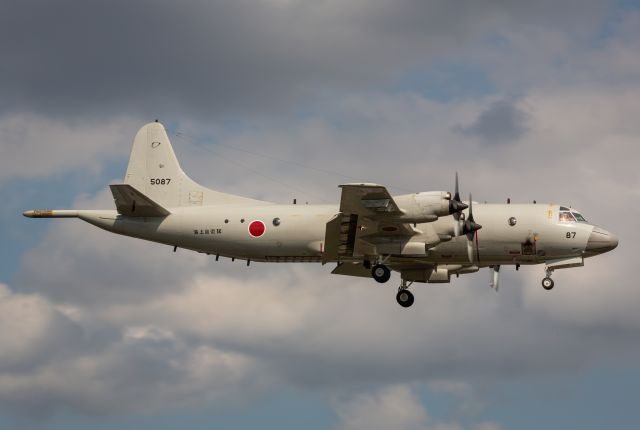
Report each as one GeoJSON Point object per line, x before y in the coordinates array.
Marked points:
{"type": "Point", "coordinates": [426, 236]}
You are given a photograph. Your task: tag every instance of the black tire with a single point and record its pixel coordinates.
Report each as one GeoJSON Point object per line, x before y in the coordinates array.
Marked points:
{"type": "Point", "coordinates": [381, 273]}
{"type": "Point", "coordinates": [547, 283]}
{"type": "Point", "coordinates": [404, 298]}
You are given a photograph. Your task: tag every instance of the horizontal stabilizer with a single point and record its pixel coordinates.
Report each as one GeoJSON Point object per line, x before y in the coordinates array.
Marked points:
{"type": "Point", "coordinates": [131, 202]}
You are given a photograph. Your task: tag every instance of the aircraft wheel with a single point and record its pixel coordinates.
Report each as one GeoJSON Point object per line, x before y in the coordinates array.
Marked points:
{"type": "Point", "coordinates": [381, 273]}
{"type": "Point", "coordinates": [547, 283]}
{"type": "Point", "coordinates": [404, 298]}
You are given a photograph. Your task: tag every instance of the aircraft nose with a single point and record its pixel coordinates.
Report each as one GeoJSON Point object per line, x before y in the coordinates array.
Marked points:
{"type": "Point", "coordinates": [601, 241]}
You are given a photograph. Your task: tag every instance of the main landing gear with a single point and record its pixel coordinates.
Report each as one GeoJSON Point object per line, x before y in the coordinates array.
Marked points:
{"type": "Point", "coordinates": [547, 282]}
{"type": "Point", "coordinates": [381, 273]}
{"type": "Point", "coordinates": [404, 296]}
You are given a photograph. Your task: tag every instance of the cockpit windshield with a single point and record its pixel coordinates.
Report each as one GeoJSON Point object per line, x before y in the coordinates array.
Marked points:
{"type": "Point", "coordinates": [570, 215]}
{"type": "Point", "coordinates": [578, 216]}
{"type": "Point", "coordinates": [566, 217]}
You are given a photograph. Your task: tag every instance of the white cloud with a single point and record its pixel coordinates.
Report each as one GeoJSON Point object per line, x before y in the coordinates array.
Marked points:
{"type": "Point", "coordinates": [49, 363]}
{"type": "Point", "coordinates": [394, 407]}
{"type": "Point", "coordinates": [30, 330]}
{"type": "Point", "coordinates": [35, 146]}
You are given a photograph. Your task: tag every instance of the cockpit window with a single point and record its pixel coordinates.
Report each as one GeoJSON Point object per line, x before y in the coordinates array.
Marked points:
{"type": "Point", "coordinates": [579, 217]}
{"type": "Point", "coordinates": [565, 216]}
{"type": "Point", "coordinates": [562, 208]}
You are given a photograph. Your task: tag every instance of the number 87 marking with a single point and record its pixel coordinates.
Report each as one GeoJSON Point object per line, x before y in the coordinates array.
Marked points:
{"type": "Point", "coordinates": [571, 235]}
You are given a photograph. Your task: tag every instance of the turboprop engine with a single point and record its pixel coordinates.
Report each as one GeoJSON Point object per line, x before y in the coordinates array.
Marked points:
{"type": "Point", "coordinates": [427, 206]}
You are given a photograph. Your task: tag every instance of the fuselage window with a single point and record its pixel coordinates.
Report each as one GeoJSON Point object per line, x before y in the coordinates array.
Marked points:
{"type": "Point", "coordinates": [566, 217]}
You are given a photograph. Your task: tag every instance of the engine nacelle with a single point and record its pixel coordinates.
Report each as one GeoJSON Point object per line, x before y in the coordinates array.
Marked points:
{"type": "Point", "coordinates": [423, 207]}
{"type": "Point", "coordinates": [440, 275]}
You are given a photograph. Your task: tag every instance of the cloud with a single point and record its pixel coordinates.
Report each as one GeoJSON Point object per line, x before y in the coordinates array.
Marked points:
{"type": "Point", "coordinates": [51, 361]}
{"type": "Point", "coordinates": [31, 329]}
{"type": "Point", "coordinates": [501, 122]}
{"type": "Point", "coordinates": [488, 425]}
{"type": "Point", "coordinates": [391, 407]}
{"type": "Point", "coordinates": [36, 146]}
{"type": "Point", "coordinates": [394, 406]}
{"type": "Point", "coordinates": [212, 59]}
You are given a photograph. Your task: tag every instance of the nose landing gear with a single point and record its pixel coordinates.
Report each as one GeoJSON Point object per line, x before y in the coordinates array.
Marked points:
{"type": "Point", "coordinates": [547, 282]}
{"type": "Point", "coordinates": [404, 296]}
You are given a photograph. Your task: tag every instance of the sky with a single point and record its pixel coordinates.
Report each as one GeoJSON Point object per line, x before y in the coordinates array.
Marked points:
{"type": "Point", "coordinates": [283, 99]}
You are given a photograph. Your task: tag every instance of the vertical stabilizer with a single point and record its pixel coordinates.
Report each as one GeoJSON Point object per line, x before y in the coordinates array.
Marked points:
{"type": "Point", "coordinates": [155, 172]}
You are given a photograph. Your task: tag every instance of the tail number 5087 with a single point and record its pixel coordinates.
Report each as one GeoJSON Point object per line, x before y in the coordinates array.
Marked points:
{"type": "Point", "coordinates": [160, 181]}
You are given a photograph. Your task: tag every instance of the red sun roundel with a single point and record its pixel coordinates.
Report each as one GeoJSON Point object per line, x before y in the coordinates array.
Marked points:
{"type": "Point", "coordinates": [256, 228]}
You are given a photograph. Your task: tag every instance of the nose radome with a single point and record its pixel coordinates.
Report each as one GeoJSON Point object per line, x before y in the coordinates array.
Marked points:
{"type": "Point", "coordinates": [601, 241]}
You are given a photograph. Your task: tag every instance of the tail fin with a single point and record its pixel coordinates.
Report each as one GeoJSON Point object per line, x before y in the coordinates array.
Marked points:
{"type": "Point", "coordinates": [155, 172]}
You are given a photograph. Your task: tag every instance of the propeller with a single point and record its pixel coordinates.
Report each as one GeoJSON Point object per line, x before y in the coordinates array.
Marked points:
{"type": "Point", "coordinates": [455, 208]}
{"type": "Point", "coordinates": [470, 228]}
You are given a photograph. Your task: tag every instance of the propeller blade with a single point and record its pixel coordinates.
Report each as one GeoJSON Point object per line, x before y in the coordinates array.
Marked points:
{"type": "Point", "coordinates": [455, 208]}
{"type": "Point", "coordinates": [470, 228]}
{"type": "Point", "coordinates": [495, 277]}
{"type": "Point", "coordinates": [470, 252]}
{"type": "Point", "coordinates": [455, 204]}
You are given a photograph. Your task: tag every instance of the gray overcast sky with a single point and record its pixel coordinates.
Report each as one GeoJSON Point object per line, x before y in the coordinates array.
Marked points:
{"type": "Point", "coordinates": [528, 100]}
{"type": "Point", "coordinates": [203, 58]}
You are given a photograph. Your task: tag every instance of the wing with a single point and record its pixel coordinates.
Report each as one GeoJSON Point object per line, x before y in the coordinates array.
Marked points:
{"type": "Point", "coordinates": [370, 224]}
{"type": "Point", "coordinates": [132, 202]}
{"type": "Point", "coordinates": [376, 209]}
{"type": "Point", "coordinates": [368, 200]}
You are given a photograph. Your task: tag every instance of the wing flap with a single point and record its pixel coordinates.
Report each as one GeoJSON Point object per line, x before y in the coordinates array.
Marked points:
{"type": "Point", "coordinates": [131, 202]}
